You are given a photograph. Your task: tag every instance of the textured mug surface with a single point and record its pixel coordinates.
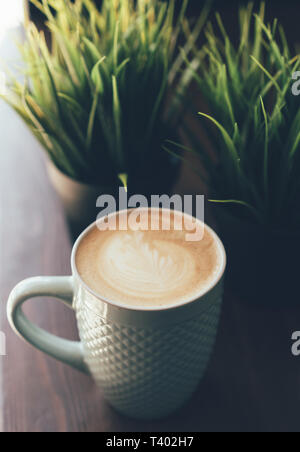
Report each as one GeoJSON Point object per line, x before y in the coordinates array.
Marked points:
{"type": "Point", "coordinates": [148, 361]}
{"type": "Point", "coordinates": [147, 365]}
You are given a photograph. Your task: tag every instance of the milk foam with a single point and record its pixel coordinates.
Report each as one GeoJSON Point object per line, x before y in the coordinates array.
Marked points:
{"type": "Point", "coordinates": [144, 268]}
{"type": "Point", "coordinates": [147, 267]}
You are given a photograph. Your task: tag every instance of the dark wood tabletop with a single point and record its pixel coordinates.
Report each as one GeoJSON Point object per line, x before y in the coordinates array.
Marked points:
{"type": "Point", "coordinates": [253, 381]}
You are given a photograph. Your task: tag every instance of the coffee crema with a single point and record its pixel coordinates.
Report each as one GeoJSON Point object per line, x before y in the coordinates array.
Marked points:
{"type": "Point", "coordinates": [148, 267]}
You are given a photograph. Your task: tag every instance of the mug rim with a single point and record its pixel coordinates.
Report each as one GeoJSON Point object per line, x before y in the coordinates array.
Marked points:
{"type": "Point", "coordinates": [137, 308]}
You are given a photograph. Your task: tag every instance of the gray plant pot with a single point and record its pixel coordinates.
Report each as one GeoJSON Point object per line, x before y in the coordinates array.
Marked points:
{"type": "Point", "coordinates": [263, 263]}
{"type": "Point", "coordinates": [79, 199]}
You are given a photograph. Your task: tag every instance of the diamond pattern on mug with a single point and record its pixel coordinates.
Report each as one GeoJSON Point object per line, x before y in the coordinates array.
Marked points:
{"type": "Point", "coordinates": [141, 369]}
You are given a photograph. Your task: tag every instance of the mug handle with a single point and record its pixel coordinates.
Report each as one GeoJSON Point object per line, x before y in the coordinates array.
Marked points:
{"type": "Point", "coordinates": [60, 287]}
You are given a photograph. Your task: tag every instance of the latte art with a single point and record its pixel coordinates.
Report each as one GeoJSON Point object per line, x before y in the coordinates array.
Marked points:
{"type": "Point", "coordinates": [142, 268]}
{"type": "Point", "coordinates": [147, 267]}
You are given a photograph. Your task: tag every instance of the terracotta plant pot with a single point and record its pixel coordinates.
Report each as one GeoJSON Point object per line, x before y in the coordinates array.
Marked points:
{"type": "Point", "coordinates": [263, 264]}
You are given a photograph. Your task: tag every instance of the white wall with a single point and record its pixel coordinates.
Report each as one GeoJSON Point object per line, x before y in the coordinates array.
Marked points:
{"type": "Point", "coordinates": [11, 15]}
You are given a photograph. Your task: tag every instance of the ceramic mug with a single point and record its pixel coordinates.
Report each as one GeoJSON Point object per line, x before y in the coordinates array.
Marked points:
{"type": "Point", "coordinates": [148, 361]}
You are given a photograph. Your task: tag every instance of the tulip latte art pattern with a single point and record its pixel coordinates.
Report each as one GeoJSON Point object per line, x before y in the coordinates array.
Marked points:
{"type": "Point", "coordinates": [147, 268]}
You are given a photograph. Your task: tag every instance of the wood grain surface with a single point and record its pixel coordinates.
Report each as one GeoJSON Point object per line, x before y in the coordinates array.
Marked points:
{"type": "Point", "coordinates": [253, 381]}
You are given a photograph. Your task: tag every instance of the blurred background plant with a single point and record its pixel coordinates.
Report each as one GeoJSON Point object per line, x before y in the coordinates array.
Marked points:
{"type": "Point", "coordinates": [107, 91]}
{"type": "Point", "coordinates": [252, 120]}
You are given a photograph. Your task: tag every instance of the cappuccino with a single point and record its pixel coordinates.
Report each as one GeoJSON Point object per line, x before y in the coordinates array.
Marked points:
{"type": "Point", "coordinates": [147, 266]}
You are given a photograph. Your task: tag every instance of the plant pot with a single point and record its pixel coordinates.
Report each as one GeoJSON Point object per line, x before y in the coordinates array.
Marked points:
{"type": "Point", "coordinates": [263, 264]}
{"type": "Point", "coordinates": [78, 199]}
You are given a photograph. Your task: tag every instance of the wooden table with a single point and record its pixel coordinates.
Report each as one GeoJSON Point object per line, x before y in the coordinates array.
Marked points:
{"type": "Point", "coordinates": [253, 381]}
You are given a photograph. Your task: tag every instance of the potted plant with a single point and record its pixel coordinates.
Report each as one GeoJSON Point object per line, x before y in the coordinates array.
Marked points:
{"type": "Point", "coordinates": [103, 95]}
{"type": "Point", "coordinates": [253, 167]}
